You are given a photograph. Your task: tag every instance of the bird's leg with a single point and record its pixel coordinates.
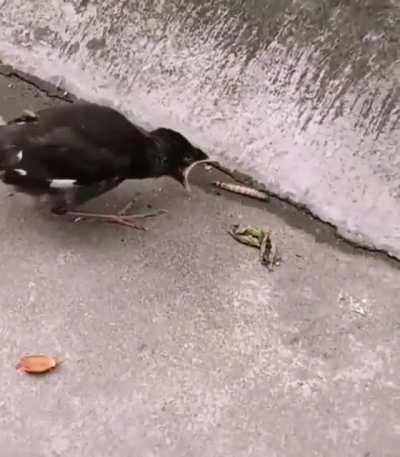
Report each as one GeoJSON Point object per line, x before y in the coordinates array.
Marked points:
{"type": "Point", "coordinates": [127, 220]}
{"type": "Point", "coordinates": [79, 195]}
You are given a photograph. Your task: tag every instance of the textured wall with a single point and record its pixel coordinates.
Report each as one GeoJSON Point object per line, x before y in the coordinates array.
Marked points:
{"type": "Point", "coordinates": [302, 94]}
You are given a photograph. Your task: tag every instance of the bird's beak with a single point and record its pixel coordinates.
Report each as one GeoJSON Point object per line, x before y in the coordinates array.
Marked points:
{"type": "Point", "coordinates": [188, 170]}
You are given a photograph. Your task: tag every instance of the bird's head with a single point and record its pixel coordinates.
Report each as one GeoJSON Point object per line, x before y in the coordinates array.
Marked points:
{"type": "Point", "coordinates": [179, 155]}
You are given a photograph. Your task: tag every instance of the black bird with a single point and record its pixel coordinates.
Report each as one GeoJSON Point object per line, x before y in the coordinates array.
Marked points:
{"type": "Point", "coordinates": [70, 154]}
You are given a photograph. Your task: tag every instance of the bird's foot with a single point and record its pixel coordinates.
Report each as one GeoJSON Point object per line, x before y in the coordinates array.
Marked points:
{"type": "Point", "coordinates": [120, 218]}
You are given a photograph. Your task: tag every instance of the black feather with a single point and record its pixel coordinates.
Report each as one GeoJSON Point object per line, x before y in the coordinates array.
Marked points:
{"type": "Point", "coordinates": [92, 146]}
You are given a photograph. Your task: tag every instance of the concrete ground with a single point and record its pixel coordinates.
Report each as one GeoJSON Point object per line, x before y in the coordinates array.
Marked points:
{"type": "Point", "coordinates": [178, 343]}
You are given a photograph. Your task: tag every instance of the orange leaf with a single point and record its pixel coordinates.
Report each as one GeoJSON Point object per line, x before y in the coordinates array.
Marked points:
{"type": "Point", "coordinates": [37, 364]}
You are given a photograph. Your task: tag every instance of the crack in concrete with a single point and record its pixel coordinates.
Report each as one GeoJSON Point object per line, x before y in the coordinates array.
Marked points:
{"type": "Point", "coordinates": [46, 88]}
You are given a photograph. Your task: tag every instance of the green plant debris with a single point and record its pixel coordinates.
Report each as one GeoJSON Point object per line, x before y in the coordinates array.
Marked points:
{"type": "Point", "coordinates": [259, 238]}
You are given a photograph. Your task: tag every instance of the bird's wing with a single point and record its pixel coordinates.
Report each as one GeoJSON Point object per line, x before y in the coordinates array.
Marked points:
{"type": "Point", "coordinates": [100, 125]}
{"type": "Point", "coordinates": [57, 153]}
{"type": "Point", "coordinates": [83, 142]}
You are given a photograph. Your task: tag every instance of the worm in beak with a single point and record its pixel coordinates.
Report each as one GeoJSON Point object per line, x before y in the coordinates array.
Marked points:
{"type": "Point", "coordinates": [189, 169]}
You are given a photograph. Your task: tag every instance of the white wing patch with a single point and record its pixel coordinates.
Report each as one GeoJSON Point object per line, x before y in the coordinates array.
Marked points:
{"type": "Point", "coordinates": [62, 183]}
{"type": "Point", "coordinates": [21, 171]}
{"type": "Point", "coordinates": [2, 121]}
{"type": "Point", "coordinates": [20, 155]}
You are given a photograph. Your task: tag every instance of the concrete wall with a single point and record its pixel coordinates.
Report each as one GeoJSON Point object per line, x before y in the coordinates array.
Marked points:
{"type": "Point", "coordinates": [302, 94]}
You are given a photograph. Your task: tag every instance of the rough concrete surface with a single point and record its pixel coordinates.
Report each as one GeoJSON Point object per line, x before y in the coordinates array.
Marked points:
{"type": "Point", "coordinates": [303, 95]}
{"type": "Point", "coordinates": [178, 343]}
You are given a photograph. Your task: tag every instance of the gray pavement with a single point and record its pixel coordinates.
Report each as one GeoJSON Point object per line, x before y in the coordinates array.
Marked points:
{"type": "Point", "coordinates": [303, 95]}
{"type": "Point", "coordinates": [178, 343]}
